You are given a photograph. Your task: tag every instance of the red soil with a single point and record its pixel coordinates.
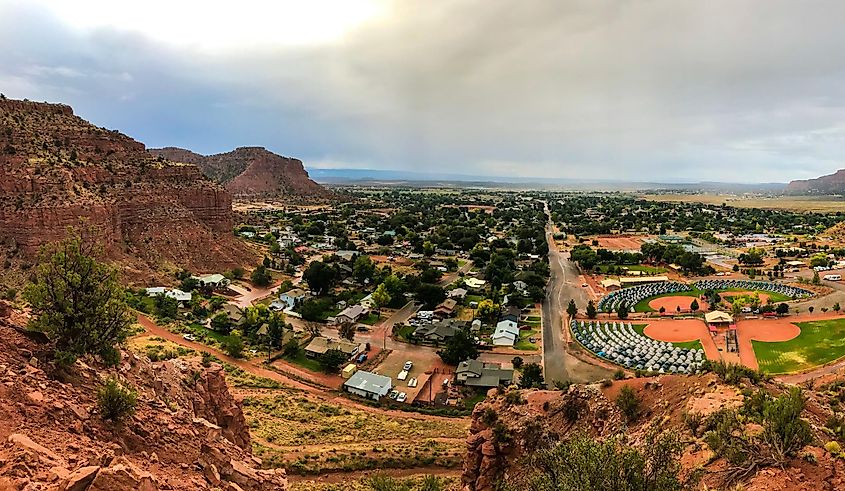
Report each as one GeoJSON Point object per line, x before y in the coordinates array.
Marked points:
{"type": "Point", "coordinates": [680, 331]}
{"type": "Point", "coordinates": [672, 303]}
{"type": "Point", "coordinates": [620, 243]}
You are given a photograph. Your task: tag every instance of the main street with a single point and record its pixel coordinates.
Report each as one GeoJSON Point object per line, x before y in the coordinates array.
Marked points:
{"type": "Point", "coordinates": [564, 284]}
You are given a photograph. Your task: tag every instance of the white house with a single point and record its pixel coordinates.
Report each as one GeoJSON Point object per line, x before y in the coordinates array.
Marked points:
{"type": "Point", "coordinates": [292, 297]}
{"type": "Point", "coordinates": [506, 333]}
{"type": "Point", "coordinates": [367, 384]}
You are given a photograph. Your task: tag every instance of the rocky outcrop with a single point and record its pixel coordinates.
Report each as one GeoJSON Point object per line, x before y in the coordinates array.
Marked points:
{"type": "Point", "coordinates": [252, 172]}
{"type": "Point", "coordinates": [57, 170]}
{"type": "Point", "coordinates": [829, 184]}
{"type": "Point", "coordinates": [188, 432]}
{"type": "Point", "coordinates": [505, 428]}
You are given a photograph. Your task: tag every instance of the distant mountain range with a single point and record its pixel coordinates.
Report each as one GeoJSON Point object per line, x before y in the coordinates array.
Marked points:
{"type": "Point", "coordinates": [251, 172]}
{"type": "Point", "coordinates": [829, 184]}
{"type": "Point", "coordinates": [343, 176]}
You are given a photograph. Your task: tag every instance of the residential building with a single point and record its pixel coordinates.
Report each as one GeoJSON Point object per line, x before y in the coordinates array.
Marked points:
{"type": "Point", "coordinates": [321, 344]}
{"type": "Point", "coordinates": [369, 385]}
{"type": "Point", "coordinates": [351, 314]}
{"type": "Point", "coordinates": [293, 297]}
{"type": "Point", "coordinates": [476, 373]}
{"type": "Point", "coordinates": [446, 308]}
{"type": "Point", "coordinates": [438, 332]}
{"type": "Point", "coordinates": [506, 333]}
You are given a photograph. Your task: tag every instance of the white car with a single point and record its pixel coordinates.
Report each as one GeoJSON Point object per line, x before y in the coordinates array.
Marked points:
{"type": "Point", "coordinates": [413, 382]}
{"type": "Point", "coordinates": [402, 375]}
{"type": "Point", "coordinates": [189, 337]}
{"type": "Point", "coordinates": [401, 397]}
{"type": "Point", "coordinates": [408, 366]}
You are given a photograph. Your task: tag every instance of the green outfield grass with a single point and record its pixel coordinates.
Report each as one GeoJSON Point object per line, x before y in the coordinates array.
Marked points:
{"type": "Point", "coordinates": [640, 328]}
{"type": "Point", "coordinates": [819, 343]}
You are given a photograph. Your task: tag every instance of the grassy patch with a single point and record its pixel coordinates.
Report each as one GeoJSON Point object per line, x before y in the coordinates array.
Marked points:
{"type": "Point", "coordinates": [523, 343]}
{"type": "Point", "coordinates": [409, 483]}
{"type": "Point", "coordinates": [303, 361]}
{"type": "Point", "coordinates": [820, 342]}
{"type": "Point", "coordinates": [308, 435]}
{"type": "Point", "coordinates": [370, 319]}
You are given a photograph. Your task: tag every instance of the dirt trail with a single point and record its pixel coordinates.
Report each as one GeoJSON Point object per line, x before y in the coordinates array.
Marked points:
{"type": "Point", "coordinates": [345, 477]}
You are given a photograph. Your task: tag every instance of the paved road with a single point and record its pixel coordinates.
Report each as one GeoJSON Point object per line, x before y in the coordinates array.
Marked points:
{"type": "Point", "coordinates": [563, 285]}
{"type": "Point", "coordinates": [450, 278]}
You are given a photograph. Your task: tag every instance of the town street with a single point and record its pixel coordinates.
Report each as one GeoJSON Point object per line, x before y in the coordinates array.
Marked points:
{"type": "Point", "coordinates": [559, 363]}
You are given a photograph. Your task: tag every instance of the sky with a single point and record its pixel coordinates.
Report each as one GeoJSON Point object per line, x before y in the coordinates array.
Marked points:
{"type": "Point", "coordinates": [655, 90]}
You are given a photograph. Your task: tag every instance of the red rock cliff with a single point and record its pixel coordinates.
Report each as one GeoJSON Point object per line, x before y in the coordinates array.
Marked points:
{"type": "Point", "coordinates": [56, 169]}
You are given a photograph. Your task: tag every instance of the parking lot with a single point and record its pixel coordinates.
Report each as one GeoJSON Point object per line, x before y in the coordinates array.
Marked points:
{"type": "Point", "coordinates": [423, 359]}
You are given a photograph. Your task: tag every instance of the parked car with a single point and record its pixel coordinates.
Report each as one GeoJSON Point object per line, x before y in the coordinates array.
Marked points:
{"type": "Point", "coordinates": [189, 337]}
{"type": "Point", "coordinates": [408, 366]}
{"type": "Point", "coordinates": [361, 358]}
{"type": "Point", "coordinates": [393, 394]}
{"type": "Point", "coordinates": [413, 382]}
{"type": "Point", "coordinates": [402, 375]}
{"type": "Point", "coordinates": [401, 397]}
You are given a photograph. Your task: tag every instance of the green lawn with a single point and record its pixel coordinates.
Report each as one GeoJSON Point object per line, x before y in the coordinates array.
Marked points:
{"type": "Point", "coordinates": [524, 343]}
{"type": "Point", "coordinates": [370, 319]}
{"type": "Point", "coordinates": [819, 343]}
{"type": "Point", "coordinates": [303, 361]}
{"type": "Point", "coordinates": [405, 332]}
{"type": "Point", "coordinates": [640, 328]}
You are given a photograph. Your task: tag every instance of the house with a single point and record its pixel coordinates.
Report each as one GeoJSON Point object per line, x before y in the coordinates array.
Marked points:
{"type": "Point", "coordinates": [512, 313]}
{"type": "Point", "coordinates": [213, 280]}
{"type": "Point", "coordinates": [234, 313]}
{"type": "Point", "coordinates": [475, 373]}
{"type": "Point", "coordinates": [156, 291]}
{"type": "Point", "coordinates": [506, 333]}
{"type": "Point", "coordinates": [476, 325]}
{"type": "Point", "coordinates": [641, 280]}
{"type": "Point", "coordinates": [351, 314]}
{"type": "Point", "coordinates": [179, 296]}
{"type": "Point", "coordinates": [474, 283]}
{"type": "Point", "coordinates": [446, 308]}
{"type": "Point", "coordinates": [520, 286]}
{"type": "Point", "coordinates": [457, 293]}
{"type": "Point", "coordinates": [346, 255]}
{"type": "Point", "coordinates": [293, 297]}
{"type": "Point", "coordinates": [321, 344]}
{"type": "Point", "coordinates": [440, 331]}
{"type": "Point", "coordinates": [369, 385]}
{"type": "Point", "coordinates": [611, 284]}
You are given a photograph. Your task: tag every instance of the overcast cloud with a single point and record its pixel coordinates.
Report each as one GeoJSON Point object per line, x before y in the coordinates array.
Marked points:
{"type": "Point", "coordinates": [747, 91]}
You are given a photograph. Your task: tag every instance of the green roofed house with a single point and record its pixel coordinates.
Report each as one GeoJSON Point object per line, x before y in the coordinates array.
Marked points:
{"type": "Point", "coordinates": [475, 373]}
{"type": "Point", "coordinates": [367, 384]}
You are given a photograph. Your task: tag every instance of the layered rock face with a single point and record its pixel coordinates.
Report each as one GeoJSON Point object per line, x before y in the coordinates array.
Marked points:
{"type": "Point", "coordinates": [188, 432]}
{"type": "Point", "coordinates": [252, 172]}
{"type": "Point", "coordinates": [57, 169]}
{"type": "Point", "coordinates": [830, 184]}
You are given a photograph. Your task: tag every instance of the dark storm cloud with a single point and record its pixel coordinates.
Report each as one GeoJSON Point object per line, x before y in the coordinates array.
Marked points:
{"type": "Point", "coordinates": [717, 90]}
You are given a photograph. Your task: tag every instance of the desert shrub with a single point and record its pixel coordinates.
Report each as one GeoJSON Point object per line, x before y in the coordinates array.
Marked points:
{"type": "Point", "coordinates": [233, 345]}
{"type": "Point", "coordinates": [489, 416]}
{"type": "Point", "coordinates": [833, 447]}
{"type": "Point", "coordinates": [517, 362]}
{"type": "Point", "coordinates": [629, 403]}
{"type": "Point", "coordinates": [116, 401]}
{"type": "Point", "coordinates": [733, 373]}
{"type": "Point", "coordinates": [619, 374]}
{"type": "Point", "coordinates": [514, 398]}
{"type": "Point", "coordinates": [609, 465]}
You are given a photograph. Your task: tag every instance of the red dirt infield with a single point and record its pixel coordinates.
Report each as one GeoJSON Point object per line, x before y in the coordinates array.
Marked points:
{"type": "Point", "coordinates": [620, 243]}
{"type": "Point", "coordinates": [672, 303]}
{"type": "Point", "coordinates": [680, 331]}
